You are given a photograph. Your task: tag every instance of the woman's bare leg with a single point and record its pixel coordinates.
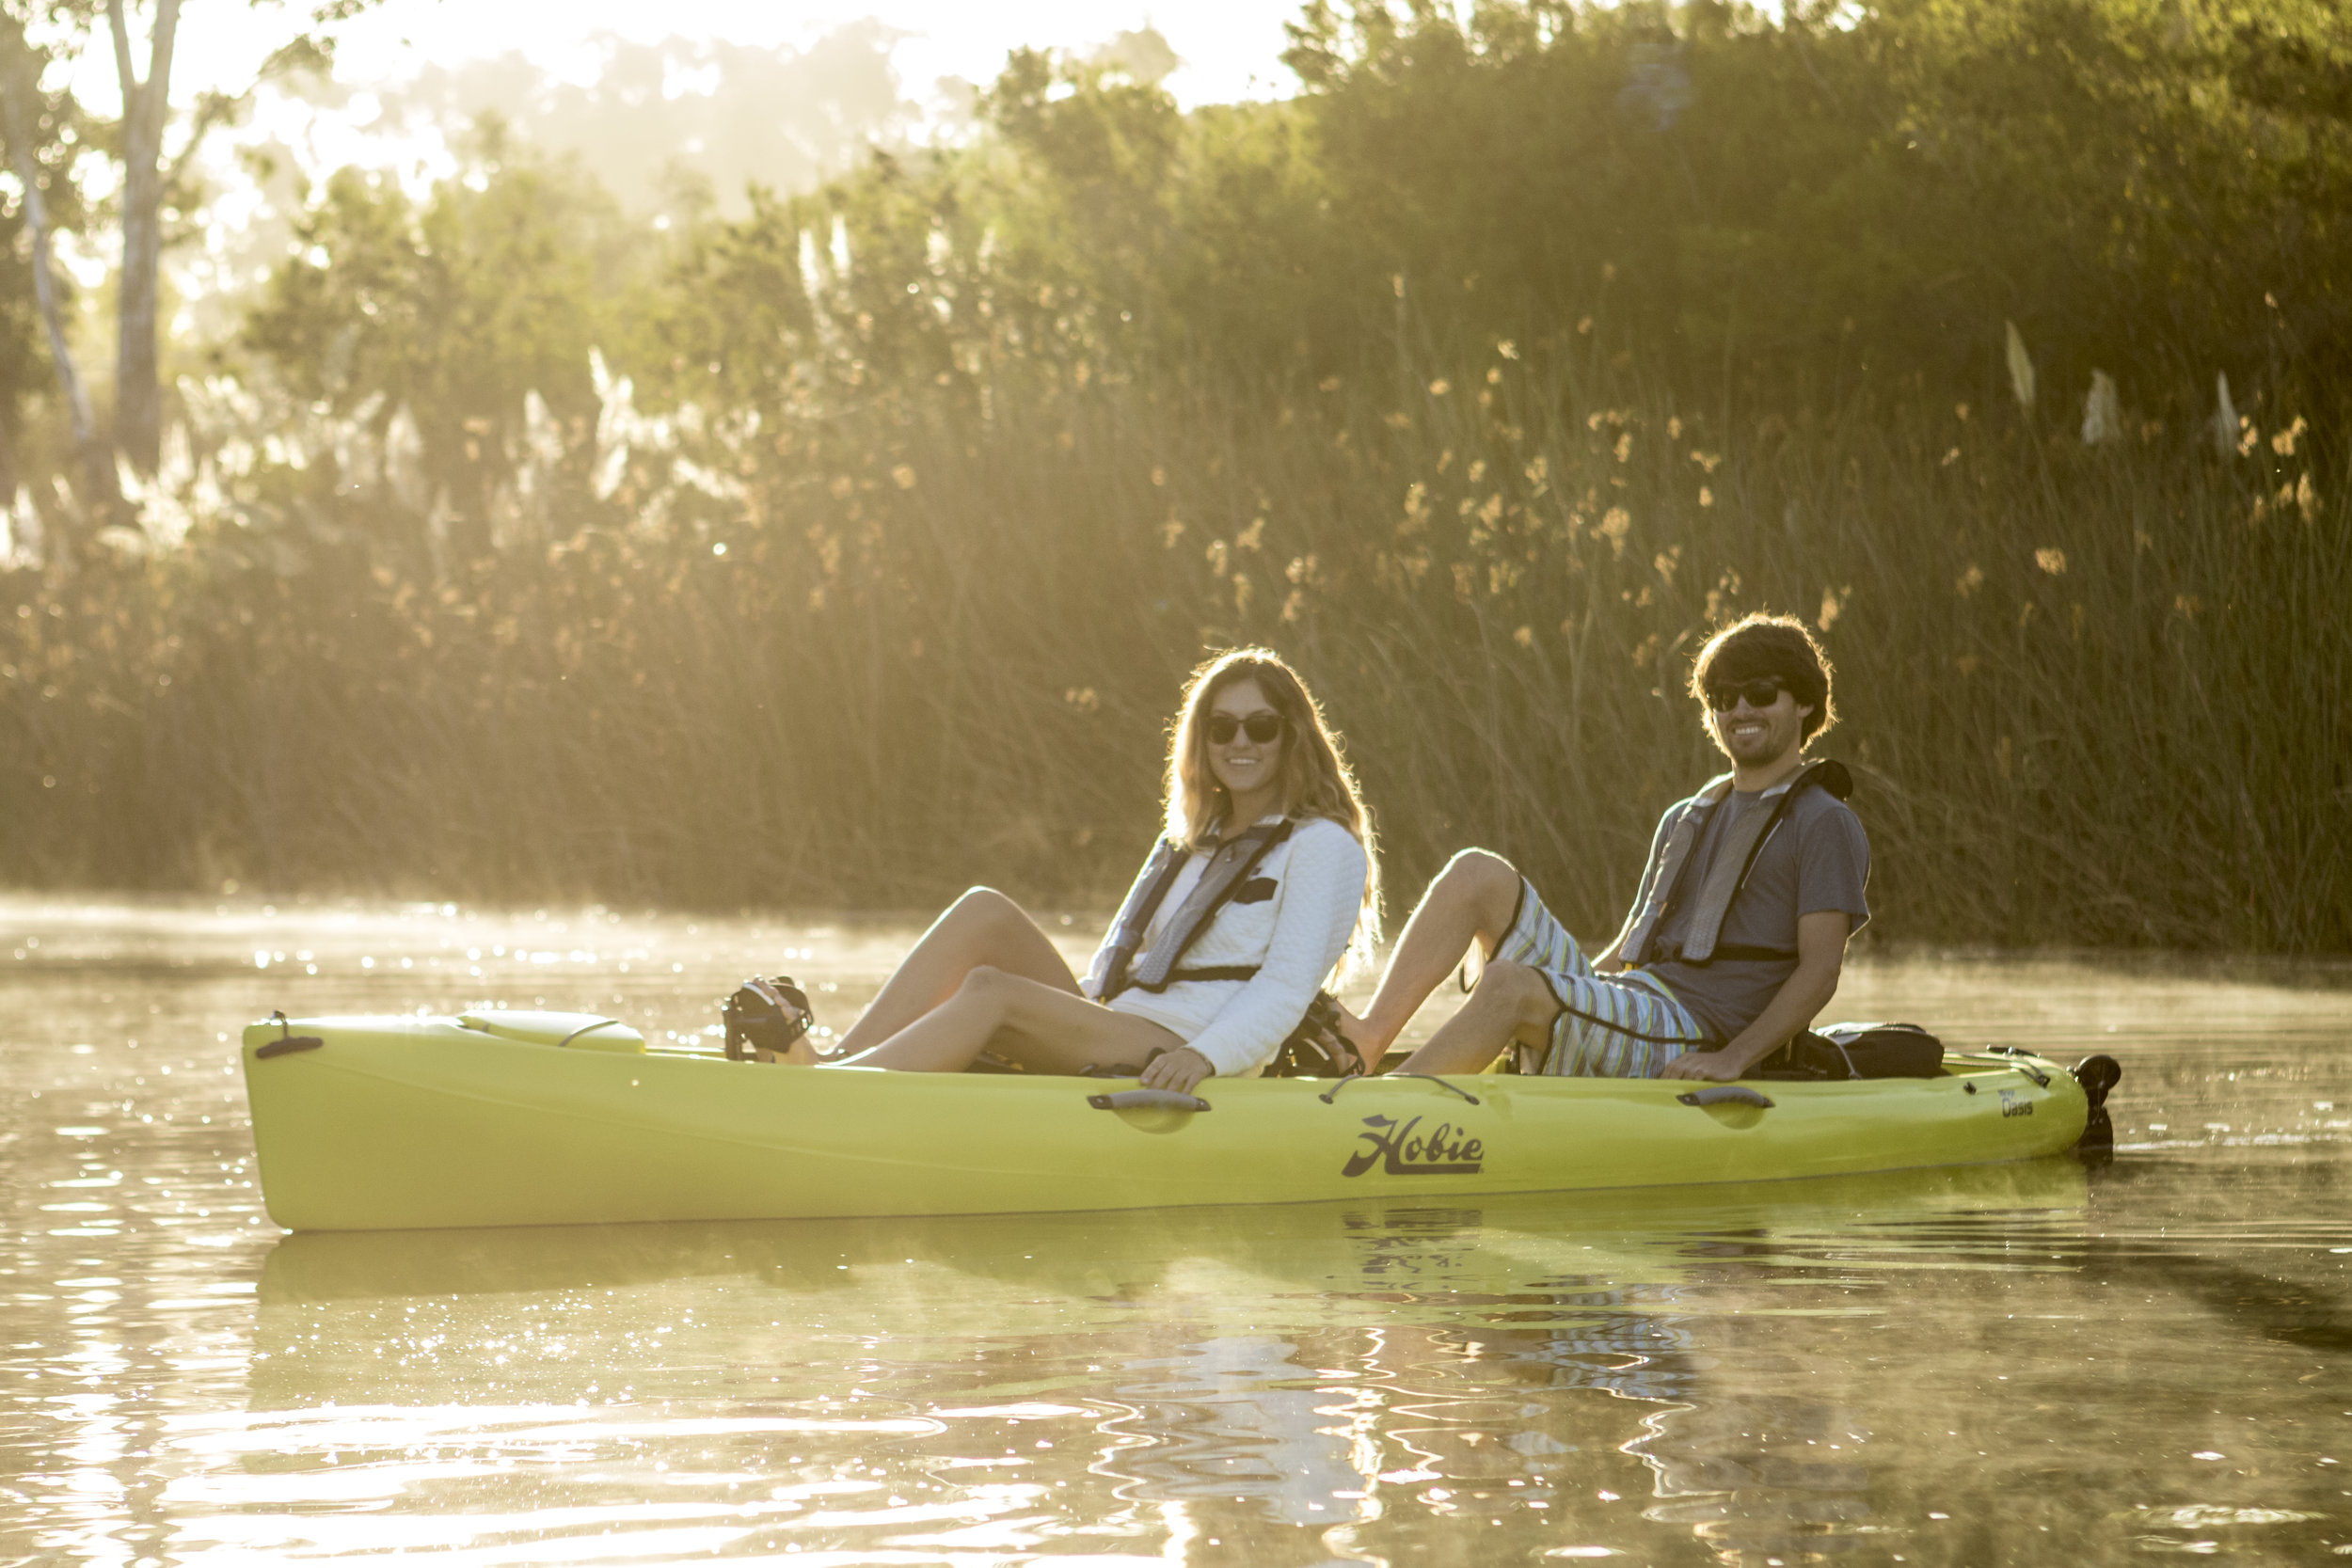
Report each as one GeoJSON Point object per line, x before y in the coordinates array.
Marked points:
{"type": "Point", "coordinates": [983, 928]}
{"type": "Point", "coordinates": [1471, 901]}
{"type": "Point", "coordinates": [1042, 1025]}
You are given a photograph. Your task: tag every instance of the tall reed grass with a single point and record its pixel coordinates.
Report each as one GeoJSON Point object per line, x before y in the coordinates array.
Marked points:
{"type": "Point", "coordinates": [2093, 696]}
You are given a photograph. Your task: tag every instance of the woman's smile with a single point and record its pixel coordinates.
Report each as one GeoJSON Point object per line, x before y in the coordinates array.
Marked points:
{"type": "Point", "coordinates": [1239, 762]}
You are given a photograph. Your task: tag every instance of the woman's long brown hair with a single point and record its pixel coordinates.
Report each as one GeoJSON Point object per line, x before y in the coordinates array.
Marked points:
{"type": "Point", "coordinates": [1314, 776]}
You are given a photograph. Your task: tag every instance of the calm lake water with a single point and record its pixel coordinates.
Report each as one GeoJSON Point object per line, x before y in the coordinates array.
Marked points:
{"type": "Point", "coordinates": [2022, 1363]}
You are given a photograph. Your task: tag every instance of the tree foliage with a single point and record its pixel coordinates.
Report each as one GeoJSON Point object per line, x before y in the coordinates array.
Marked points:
{"type": "Point", "coordinates": [455, 311]}
{"type": "Point", "coordinates": [1798, 199]}
{"type": "Point", "coordinates": [1756, 209]}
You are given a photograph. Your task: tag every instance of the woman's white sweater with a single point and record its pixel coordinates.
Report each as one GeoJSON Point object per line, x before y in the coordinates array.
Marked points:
{"type": "Point", "coordinates": [1295, 938]}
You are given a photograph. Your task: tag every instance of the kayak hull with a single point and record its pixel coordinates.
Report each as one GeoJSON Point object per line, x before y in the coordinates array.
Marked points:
{"type": "Point", "coordinates": [412, 1123]}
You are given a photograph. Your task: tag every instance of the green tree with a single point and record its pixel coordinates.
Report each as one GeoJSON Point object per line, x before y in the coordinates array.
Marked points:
{"type": "Point", "coordinates": [154, 191]}
{"type": "Point", "coordinates": [497, 285]}
{"type": "Point", "coordinates": [41, 132]}
{"type": "Point", "coordinates": [1806, 197]}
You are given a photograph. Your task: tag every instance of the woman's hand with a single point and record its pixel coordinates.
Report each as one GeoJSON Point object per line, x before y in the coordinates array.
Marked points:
{"type": "Point", "coordinates": [1178, 1070]}
{"type": "Point", "coordinates": [1715, 1067]}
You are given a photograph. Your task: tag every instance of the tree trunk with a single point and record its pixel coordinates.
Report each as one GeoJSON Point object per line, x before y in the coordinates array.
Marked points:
{"type": "Point", "coordinates": [19, 84]}
{"type": "Point", "coordinates": [139, 393]}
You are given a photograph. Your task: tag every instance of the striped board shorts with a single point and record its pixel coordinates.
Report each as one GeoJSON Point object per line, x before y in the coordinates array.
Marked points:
{"type": "Point", "coordinates": [1620, 1025]}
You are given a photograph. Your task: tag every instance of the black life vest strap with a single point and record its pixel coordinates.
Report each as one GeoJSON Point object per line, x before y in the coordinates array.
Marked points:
{"type": "Point", "coordinates": [1213, 972]}
{"type": "Point", "coordinates": [1728, 950]}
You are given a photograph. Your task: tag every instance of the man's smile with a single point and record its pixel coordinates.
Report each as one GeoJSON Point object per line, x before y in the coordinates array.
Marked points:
{"type": "Point", "coordinates": [1752, 735]}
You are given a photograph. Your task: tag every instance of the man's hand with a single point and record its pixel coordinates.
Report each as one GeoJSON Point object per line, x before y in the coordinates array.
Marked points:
{"type": "Point", "coordinates": [1821, 952]}
{"type": "Point", "coordinates": [1713, 1067]}
{"type": "Point", "coordinates": [1179, 1069]}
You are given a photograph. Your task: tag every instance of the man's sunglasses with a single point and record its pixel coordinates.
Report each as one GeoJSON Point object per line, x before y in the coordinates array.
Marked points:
{"type": "Point", "coordinates": [1759, 694]}
{"type": "Point", "coordinates": [1261, 727]}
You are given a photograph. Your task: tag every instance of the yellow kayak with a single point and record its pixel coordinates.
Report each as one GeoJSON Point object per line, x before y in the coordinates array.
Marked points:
{"type": "Point", "coordinates": [499, 1117]}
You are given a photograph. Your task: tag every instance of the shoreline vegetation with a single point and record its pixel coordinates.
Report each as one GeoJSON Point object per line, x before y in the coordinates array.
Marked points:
{"type": "Point", "coordinates": [853, 551]}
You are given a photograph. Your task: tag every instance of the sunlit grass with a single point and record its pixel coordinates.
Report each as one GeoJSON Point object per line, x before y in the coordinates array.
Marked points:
{"type": "Point", "coordinates": [2092, 695]}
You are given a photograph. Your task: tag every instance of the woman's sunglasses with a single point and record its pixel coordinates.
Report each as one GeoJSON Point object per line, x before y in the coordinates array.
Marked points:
{"type": "Point", "coordinates": [1759, 694]}
{"type": "Point", "coordinates": [1261, 727]}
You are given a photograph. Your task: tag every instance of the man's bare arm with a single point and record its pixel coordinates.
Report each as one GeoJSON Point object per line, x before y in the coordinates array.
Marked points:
{"type": "Point", "coordinates": [1820, 954]}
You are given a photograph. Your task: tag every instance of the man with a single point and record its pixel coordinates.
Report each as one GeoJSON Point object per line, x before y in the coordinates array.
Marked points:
{"type": "Point", "coordinates": [1734, 941]}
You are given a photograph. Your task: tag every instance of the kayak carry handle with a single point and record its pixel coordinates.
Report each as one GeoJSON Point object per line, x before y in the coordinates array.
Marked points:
{"type": "Point", "coordinates": [1149, 1100]}
{"type": "Point", "coordinates": [287, 1041]}
{"type": "Point", "coordinates": [286, 1045]}
{"type": "Point", "coordinates": [1725, 1094]}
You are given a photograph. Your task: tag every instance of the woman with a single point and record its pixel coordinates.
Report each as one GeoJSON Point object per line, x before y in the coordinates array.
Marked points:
{"type": "Point", "coordinates": [1265, 881]}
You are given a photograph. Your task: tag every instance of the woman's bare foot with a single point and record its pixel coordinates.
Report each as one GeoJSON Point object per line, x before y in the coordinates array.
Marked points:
{"type": "Point", "coordinates": [803, 1051]}
{"type": "Point", "coordinates": [801, 1020]}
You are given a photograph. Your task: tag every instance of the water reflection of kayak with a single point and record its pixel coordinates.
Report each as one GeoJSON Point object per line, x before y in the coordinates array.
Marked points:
{"type": "Point", "coordinates": [1406, 1246]}
{"type": "Point", "coordinates": [852, 1335]}
{"type": "Point", "coordinates": [548, 1118]}
{"type": "Point", "coordinates": [401, 1317]}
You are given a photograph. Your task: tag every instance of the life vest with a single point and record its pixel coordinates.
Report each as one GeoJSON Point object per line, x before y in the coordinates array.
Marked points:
{"type": "Point", "coordinates": [1156, 969]}
{"type": "Point", "coordinates": [1735, 857]}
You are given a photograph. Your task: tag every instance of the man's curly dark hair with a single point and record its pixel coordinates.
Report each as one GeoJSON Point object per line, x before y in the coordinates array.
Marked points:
{"type": "Point", "coordinates": [1768, 647]}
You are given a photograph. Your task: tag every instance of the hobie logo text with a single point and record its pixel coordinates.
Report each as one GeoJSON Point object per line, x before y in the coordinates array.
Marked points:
{"type": "Point", "coordinates": [1403, 1151]}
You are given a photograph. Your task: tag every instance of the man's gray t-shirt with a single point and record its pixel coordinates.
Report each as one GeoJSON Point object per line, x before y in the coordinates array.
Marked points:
{"type": "Point", "coordinates": [1816, 858]}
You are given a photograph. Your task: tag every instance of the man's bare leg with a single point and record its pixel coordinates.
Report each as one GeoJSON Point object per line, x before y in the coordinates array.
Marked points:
{"type": "Point", "coordinates": [1511, 1004]}
{"type": "Point", "coordinates": [1471, 901]}
{"type": "Point", "coordinates": [981, 930]}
